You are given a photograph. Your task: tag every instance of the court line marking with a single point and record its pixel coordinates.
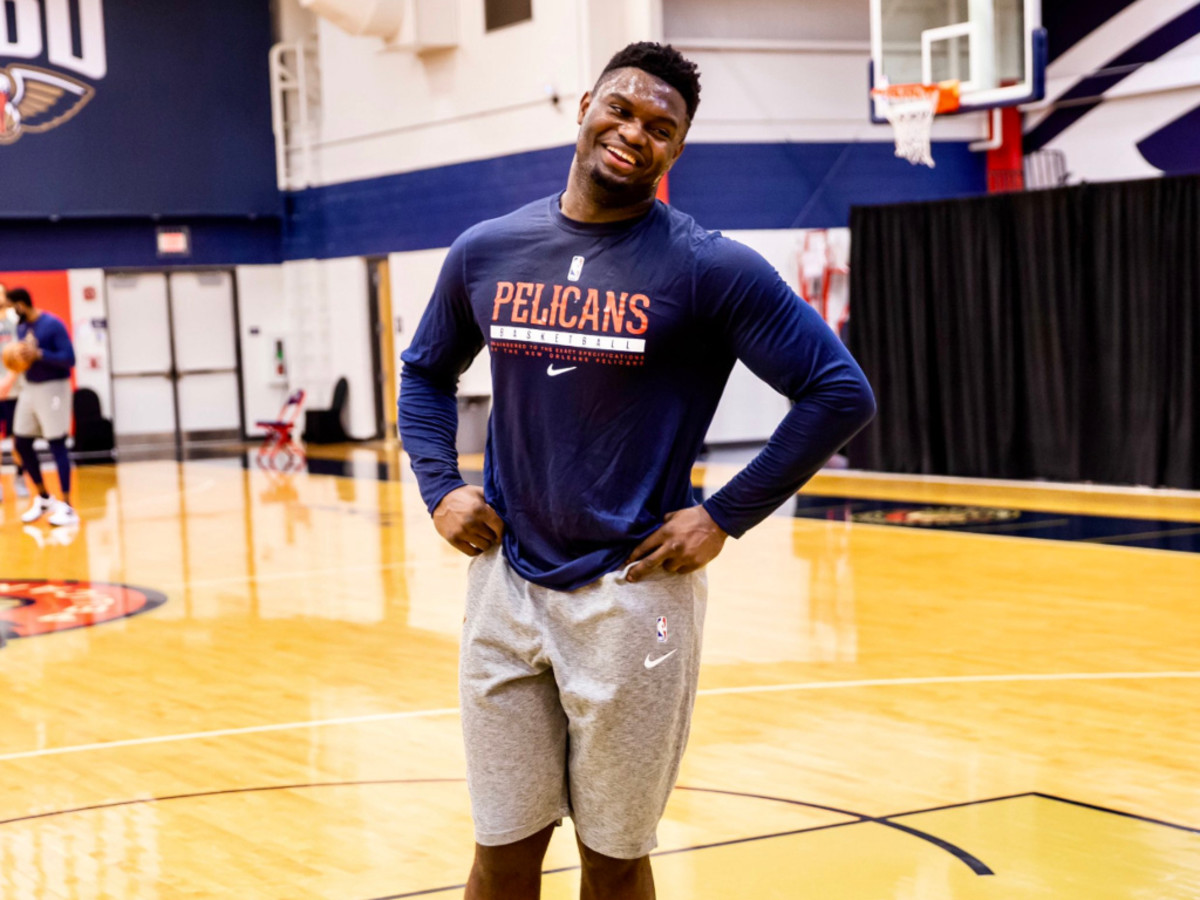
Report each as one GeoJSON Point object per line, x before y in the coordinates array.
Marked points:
{"type": "Point", "coordinates": [1142, 536]}
{"type": "Point", "coordinates": [941, 679]}
{"type": "Point", "coordinates": [1034, 487]}
{"type": "Point", "coordinates": [225, 732]}
{"type": "Point", "coordinates": [709, 692]}
{"type": "Point", "coordinates": [853, 818]}
{"type": "Point", "coordinates": [944, 532]}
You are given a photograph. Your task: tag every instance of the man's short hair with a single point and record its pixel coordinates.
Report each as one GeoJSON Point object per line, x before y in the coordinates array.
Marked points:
{"type": "Point", "coordinates": [20, 295]}
{"type": "Point", "coordinates": [663, 62]}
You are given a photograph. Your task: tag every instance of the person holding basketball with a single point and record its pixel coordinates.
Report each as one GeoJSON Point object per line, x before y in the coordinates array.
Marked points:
{"type": "Point", "coordinates": [10, 387]}
{"type": "Point", "coordinates": [613, 322]}
{"type": "Point", "coordinates": [44, 405]}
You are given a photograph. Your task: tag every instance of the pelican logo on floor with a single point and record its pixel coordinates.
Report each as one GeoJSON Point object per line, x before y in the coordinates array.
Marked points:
{"type": "Point", "coordinates": [937, 516]}
{"type": "Point", "coordinates": [34, 606]}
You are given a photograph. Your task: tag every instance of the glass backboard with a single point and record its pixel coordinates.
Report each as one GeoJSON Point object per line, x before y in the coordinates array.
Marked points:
{"type": "Point", "coordinates": [995, 49]}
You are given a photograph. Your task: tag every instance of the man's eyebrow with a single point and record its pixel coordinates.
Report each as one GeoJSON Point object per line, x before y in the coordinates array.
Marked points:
{"type": "Point", "coordinates": [664, 116]}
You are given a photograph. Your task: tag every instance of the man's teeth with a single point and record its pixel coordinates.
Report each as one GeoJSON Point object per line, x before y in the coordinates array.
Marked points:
{"type": "Point", "coordinates": [625, 156]}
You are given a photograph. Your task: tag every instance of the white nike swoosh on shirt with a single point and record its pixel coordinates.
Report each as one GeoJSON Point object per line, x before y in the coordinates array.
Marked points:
{"type": "Point", "coordinates": [651, 663]}
{"type": "Point", "coordinates": [551, 371]}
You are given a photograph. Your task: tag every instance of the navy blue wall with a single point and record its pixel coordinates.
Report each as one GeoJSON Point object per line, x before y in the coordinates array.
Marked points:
{"type": "Point", "coordinates": [813, 185]}
{"type": "Point", "coordinates": [725, 186]}
{"type": "Point", "coordinates": [126, 243]}
{"type": "Point", "coordinates": [722, 185]}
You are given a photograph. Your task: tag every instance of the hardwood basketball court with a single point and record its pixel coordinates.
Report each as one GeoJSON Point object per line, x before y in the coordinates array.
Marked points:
{"type": "Point", "coordinates": [890, 707]}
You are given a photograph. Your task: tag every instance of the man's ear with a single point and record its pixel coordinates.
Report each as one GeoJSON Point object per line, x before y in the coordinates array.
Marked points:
{"type": "Point", "coordinates": [678, 153]}
{"type": "Point", "coordinates": [584, 102]}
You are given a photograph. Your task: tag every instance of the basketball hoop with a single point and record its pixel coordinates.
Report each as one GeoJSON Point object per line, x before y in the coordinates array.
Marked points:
{"type": "Point", "coordinates": [910, 109]}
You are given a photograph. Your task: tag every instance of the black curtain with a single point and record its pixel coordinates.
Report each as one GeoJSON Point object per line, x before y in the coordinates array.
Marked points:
{"type": "Point", "coordinates": [1050, 334]}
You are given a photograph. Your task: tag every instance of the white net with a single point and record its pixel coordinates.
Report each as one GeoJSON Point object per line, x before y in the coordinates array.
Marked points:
{"type": "Point", "coordinates": [910, 109]}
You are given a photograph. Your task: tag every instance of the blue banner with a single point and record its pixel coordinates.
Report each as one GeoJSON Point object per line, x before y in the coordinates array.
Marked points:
{"type": "Point", "coordinates": [136, 108]}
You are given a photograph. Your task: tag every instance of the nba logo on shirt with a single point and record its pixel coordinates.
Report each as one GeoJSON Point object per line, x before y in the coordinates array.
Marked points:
{"type": "Point", "coordinates": [662, 629]}
{"type": "Point", "coordinates": [576, 268]}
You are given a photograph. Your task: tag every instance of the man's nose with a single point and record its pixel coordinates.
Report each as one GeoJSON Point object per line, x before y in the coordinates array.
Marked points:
{"type": "Point", "coordinates": [633, 133]}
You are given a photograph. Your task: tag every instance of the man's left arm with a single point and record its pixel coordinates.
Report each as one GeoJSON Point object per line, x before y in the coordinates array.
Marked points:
{"type": "Point", "coordinates": [785, 343]}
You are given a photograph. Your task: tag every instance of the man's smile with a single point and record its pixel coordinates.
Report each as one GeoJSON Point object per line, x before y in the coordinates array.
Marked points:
{"type": "Point", "coordinates": [623, 158]}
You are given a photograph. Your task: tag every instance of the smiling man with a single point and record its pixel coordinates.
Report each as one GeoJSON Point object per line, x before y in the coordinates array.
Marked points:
{"type": "Point", "coordinates": [613, 323]}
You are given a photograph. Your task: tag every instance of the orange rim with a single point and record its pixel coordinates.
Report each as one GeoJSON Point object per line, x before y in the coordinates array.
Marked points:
{"type": "Point", "coordinates": [947, 93]}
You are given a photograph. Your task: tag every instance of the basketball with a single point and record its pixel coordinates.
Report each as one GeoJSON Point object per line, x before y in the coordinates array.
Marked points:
{"type": "Point", "coordinates": [17, 357]}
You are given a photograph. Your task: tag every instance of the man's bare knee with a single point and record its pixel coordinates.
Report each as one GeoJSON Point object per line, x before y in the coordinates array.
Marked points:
{"type": "Point", "coordinates": [510, 871]}
{"type": "Point", "coordinates": [610, 878]}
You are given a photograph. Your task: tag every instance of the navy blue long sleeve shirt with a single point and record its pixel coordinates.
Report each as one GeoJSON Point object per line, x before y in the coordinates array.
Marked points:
{"type": "Point", "coordinates": [611, 345]}
{"type": "Point", "coordinates": [58, 353]}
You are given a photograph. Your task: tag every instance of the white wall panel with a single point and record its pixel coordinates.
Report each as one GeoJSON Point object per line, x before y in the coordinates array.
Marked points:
{"type": "Point", "coordinates": [89, 334]}
{"type": "Point", "coordinates": [413, 278]}
{"type": "Point", "coordinates": [143, 406]}
{"type": "Point", "coordinates": [768, 95]}
{"type": "Point", "coordinates": [202, 315]}
{"type": "Point", "coordinates": [347, 291]}
{"type": "Point", "coordinates": [262, 315]}
{"type": "Point", "coordinates": [208, 402]}
{"type": "Point", "coordinates": [139, 329]}
{"type": "Point", "coordinates": [328, 335]}
{"type": "Point", "coordinates": [766, 19]}
{"type": "Point", "coordinates": [385, 111]}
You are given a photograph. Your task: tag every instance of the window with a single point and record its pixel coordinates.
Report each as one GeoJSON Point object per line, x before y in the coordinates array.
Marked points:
{"type": "Point", "coordinates": [501, 13]}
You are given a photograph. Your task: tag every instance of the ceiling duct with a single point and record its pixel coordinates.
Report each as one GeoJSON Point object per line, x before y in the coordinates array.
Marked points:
{"type": "Point", "coordinates": [377, 18]}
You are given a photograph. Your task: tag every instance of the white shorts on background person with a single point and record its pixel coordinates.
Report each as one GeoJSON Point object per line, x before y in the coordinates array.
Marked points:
{"type": "Point", "coordinates": [577, 703]}
{"type": "Point", "coordinates": [44, 410]}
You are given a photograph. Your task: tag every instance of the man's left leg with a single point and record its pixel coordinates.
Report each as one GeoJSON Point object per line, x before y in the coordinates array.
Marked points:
{"type": "Point", "coordinates": [626, 658]}
{"type": "Point", "coordinates": [55, 415]}
{"type": "Point", "coordinates": [608, 878]}
{"type": "Point", "coordinates": [42, 503]}
{"type": "Point", "coordinates": [63, 513]}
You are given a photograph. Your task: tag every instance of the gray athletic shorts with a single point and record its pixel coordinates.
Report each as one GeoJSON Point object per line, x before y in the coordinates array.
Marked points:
{"type": "Point", "coordinates": [44, 409]}
{"type": "Point", "coordinates": [577, 703]}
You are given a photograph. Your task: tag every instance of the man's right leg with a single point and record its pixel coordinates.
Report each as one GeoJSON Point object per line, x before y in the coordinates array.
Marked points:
{"type": "Point", "coordinates": [510, 872]}
{"type": "Point", "coordinates": [514, 730]}
{"type": "Point", "coordinates": [25, 428]}
{"type": "Point", "coordinates": [42, 503]}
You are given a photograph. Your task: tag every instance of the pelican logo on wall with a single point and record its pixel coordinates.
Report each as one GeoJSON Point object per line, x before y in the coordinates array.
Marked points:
{"type": "Point", "coordinates": [34, 98]}
{"type": "Point", "coordinates": [34, 606]}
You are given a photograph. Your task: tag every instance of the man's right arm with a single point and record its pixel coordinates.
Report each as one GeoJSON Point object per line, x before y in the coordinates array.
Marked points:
{"type": "Point", "coordinates": [57, 350]}
{"type": "Point", "coordinates": [446, 342]}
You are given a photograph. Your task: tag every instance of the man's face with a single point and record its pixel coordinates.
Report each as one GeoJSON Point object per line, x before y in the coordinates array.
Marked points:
{"type": "Point", "coordinates": [632, 127]}
{"type": "Point", "coordinates": [22, 308]}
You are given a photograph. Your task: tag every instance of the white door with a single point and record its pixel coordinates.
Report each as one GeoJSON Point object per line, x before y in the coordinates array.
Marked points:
{"type": "Point", "coordinates": [205, 354]}
{"type": "Point", "coordinates": [139, 329]}
{"type": "Point", "coordinates": [174, 357]}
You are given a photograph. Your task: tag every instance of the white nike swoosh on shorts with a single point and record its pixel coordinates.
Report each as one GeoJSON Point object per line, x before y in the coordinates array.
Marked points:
{"type": "Point", "coordinates": [651, 663]}
{"type": "Point", "coordinates": [551, 371]}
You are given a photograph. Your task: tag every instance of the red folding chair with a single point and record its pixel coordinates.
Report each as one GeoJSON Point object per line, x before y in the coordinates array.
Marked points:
{"type": "Point", "coordinates": [280, 451]}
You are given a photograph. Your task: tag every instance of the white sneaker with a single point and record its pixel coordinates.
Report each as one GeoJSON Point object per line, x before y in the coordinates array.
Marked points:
{"type": "Point", "coordinates": [22, 487]}
{"type": "Point", "coordinates": [41, 506]}
{"type": "Point", "coordinates": [63, 515]}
